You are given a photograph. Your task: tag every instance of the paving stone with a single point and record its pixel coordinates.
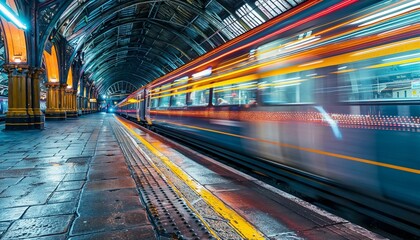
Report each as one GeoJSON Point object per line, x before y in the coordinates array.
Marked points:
{"type": "Point", "coordinates": [117, 221]}
{"type": "Point", "coordinates": [38, 227]}
{"type": "Point", "coordinates": [102, 185]}
{"type": "Point", "coordinates": [7, 182]}
{"type": "Point", "coordinates": [75, 177]}
{"type": "Point", "coordinates": [71, 185]}
{"type": "Point", "coordinates": [5, 166]}
{"type": "Point", "coordinates": [102, 159]}
{"type": "Point", "coordinates": [24, 189]}
{"type": "Point", "coordinates": [109, 202]}
{"type": "Point", "coordinates": [53, 237]}
{"type": "Point", "coordinates": [64, 196]}
{"type": "Point", "coordinates": [8, 214]}
{"type": "Point", "coordinates": [3, 227]}
{"type": "Point", "coordinates": [143, 232]}
{"type": "Point", "coordinates": [108, 171]}
{"type": "Point", "coordinates": [109, 153]}
{"type": "Point", "coordinates": [19, 172]}
{"type": "Point", "coordinates": [51, 210]}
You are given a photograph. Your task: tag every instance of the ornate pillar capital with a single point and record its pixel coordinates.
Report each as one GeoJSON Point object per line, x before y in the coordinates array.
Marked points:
{"type": "Point", "coordinates": [36, 71]}
{"type": "Point", "coordinates": [18, 68]}
{"type": "Point", "coordinates": [52, 84]}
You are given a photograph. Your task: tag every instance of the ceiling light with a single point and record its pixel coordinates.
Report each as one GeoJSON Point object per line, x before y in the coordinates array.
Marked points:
{"type": "Point", "coordinates": [9, 15]}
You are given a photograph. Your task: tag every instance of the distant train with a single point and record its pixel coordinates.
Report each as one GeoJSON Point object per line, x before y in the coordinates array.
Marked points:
{"type": "Point", "coordinates": [3, 105]}
{"type": "Point", "coordinates": [329, 89]}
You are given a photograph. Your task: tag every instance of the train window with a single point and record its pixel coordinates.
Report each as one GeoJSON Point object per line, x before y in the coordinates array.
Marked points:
{"type": "Point", "coordinates": [288, 89]}
{"type": "Point", "coordinates": [164, 102]}
{"type": "Point", "coordinates": [235, 94]}
{"type": "Point", "coordinates": [179, 97]}
{"type": "Point", "coordinates": [380, 79]}
{"type": "Point", "coordinates": [199, 98]}
{"type": "Point", "coordinates": [154, 103]}
{"type": "Point", "coordinates": [179, 100]}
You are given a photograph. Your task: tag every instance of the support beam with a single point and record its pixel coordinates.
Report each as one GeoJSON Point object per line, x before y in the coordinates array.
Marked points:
{"type": "Point", "coordinates": [17, 117]}
{"type": "Point", "coordinates": [38, 116]}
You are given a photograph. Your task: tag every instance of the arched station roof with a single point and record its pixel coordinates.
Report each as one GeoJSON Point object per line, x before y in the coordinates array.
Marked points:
{"type": "Point", "coordinates": [137, 41]}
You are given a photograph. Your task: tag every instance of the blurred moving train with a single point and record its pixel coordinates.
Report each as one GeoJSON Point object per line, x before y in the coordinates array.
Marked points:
{"type": "Point", "coordinates": [329, 90]}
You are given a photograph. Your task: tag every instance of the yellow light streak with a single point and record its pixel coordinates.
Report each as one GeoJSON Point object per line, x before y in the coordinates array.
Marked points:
{"type": "Point", "coordinates": [394, 63]}
{"type": "Point", "coordinates": [344, 71]}
{"type": "Point", "coordinates": [305, 149]}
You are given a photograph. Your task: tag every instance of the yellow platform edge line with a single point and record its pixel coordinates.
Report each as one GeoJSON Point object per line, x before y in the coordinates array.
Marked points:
{"type": "Point", "coordinates": [178, 192]}
{"type": "Point", "coordinates": [241, 225]}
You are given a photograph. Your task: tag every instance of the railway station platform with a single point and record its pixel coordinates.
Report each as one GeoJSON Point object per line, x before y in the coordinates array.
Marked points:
{"type": "Point", "coordinates": [101, 177]}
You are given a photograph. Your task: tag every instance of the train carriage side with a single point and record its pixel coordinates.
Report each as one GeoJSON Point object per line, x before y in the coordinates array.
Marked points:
{"type": "Point", "coordinates": [336, 99]}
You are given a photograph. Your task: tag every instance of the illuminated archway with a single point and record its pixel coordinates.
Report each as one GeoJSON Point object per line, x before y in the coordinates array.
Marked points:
{"type": "Point", "coordinates": [14, 38]}
{"type": "Point", "coordinates": [51, 64]}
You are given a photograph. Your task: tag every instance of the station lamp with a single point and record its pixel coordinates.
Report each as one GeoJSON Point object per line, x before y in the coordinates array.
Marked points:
{"type": "Point", "coordinates": [6, 12]}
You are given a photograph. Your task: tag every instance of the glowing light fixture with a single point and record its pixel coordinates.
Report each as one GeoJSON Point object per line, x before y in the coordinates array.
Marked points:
{"type": "Point", "coordinates": [9, 15]}
{"type": "Point", "coordinates": [412, 5]}
{"type": "Point", "coordinates": [182, 79]}
{"type": "Point", "coordinates": [17, 59]}
{"type": "Point", "coordinates": [204, 73]}
{"type": "Point", "coordinates": [69, 87]}
{"type": "Point", "coordinates": [53, 79]}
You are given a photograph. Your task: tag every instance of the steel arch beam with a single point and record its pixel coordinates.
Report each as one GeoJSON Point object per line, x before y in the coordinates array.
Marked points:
{"type": "Point", "coordinates": [127, 59]}
{"type": "Point", "coordinates": [120, 85]}
{"type": "Point", "coordinates": [141, 74]}
{"type": "Point", "coordinates": [105, 75]}
{"type": "Point", "coordinates": [148, 74]}
{"type": "Point", "coordinates": [106, 54]}
{"type": "Point", "coordinates": [112, 54]}
{"type": "Point", "coordinates": [130, 77]}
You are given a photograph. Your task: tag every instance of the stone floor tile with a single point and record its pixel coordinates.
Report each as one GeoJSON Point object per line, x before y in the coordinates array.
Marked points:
{"type": "Point", "coordinates": [3, 227]}
{"type": "Point", "coordinates": [38, 227]}
{"type": "Point", "coordinates": [71, 185]}
{"type": "Point", "coordinates": [143, 232]}
{"type": "Point", "coordinates": [51, 210]}
{"type": "Point", "coordinates": [108, 203]}
{"type": "Point", "coordinates": [8, 214]}
{"type": "Point", "coordinates": [64, 196]}
{"type": "Point", "coordinates": [102, 185]}
{"type": "Point", "coordinates": [117, 221]}
{"type": "Point", "coordinates": [75, 177]}
{"type": "Point", "coordinates": [52, 237]}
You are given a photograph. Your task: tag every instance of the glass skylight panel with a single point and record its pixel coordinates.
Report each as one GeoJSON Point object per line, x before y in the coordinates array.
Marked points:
{"type": "Point", "coordinates": [232, 27]}
{"type": "Point", "coordinates": [273, 8]}
{"type": "Point", "coordinates": [249, 16]}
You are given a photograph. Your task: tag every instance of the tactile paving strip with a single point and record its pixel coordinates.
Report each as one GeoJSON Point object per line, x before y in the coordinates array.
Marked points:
{"type": "Point", "coordinates": [171, 215]}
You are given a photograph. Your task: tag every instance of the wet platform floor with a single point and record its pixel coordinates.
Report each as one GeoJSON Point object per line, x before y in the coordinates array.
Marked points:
{"type": "Point", "coordinates": [73, 181]}
{"type": "Point", "coordinates": [68, 181]}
